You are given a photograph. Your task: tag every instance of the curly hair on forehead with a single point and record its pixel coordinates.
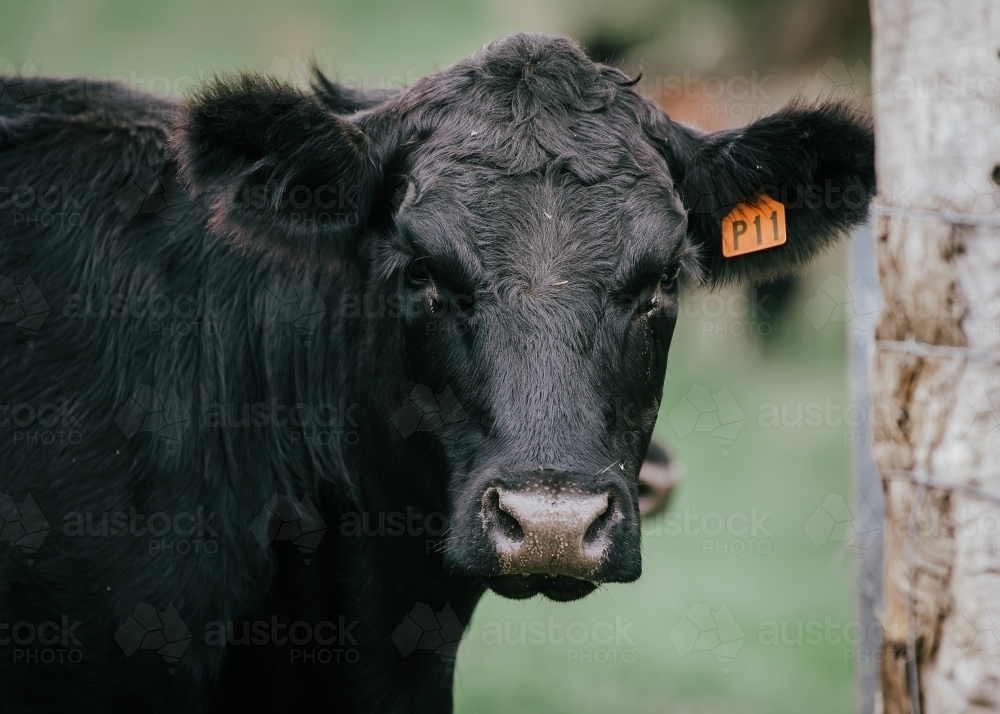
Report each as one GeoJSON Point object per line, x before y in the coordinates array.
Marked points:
{"type": "Point", "coordinates": [525, 101]}
{"type": "Point", "coordinates": [540, 72]}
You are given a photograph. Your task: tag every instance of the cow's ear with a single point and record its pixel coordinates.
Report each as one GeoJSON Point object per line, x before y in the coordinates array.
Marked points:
{"type": "Point", "coordinates": [818, 162]}
{"type": "Point", "coordinates": [284, 175]}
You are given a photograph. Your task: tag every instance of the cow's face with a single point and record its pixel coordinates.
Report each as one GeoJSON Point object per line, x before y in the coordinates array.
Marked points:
{"type": "Point", "coordinates": [545, 305]}
{"type": "Point", "coordinates": [533, 217]}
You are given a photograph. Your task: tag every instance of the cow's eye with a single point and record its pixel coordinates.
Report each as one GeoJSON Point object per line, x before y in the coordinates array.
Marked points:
{"type": "Point", "coordinates": [417, 273]}
{"type": "Point", "coordinates": [668, 281]}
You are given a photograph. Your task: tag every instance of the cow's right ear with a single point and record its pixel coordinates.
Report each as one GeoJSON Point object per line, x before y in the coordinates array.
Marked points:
{"type": "Point", "coordinates": [285, 176]}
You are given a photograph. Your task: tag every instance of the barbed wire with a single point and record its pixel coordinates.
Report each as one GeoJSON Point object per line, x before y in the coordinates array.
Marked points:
{"type": "Point", "coordinates": [949, 216]}
{"type": "Point", "coordinates": [927, 481]}
{"type": "Point", "coordinates": [926, 349]}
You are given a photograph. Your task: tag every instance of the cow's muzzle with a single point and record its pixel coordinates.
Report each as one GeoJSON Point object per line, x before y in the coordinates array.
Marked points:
{"type": "Point", "coordinates": [559, 534]}
{"type": "Point", "coordinates": [549, 532]}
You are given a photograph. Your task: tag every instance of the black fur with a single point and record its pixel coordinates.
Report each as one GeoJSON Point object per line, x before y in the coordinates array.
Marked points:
{"type": "Point", "coordinates": [498, 271]}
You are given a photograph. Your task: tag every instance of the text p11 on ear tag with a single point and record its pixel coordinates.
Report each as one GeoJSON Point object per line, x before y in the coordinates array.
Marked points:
{"type": "Point", "coordinates": [749, 228]}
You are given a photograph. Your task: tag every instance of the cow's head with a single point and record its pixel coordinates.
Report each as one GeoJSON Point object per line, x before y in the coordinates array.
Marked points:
{"type": "Point", "coordinates": [533, 217]}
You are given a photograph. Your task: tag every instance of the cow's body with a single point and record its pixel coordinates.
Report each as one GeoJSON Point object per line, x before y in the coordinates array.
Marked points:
{"type": "Point", "coordinates": [240, 349]}
{"type": "Point", "coordinates": [229, 358]}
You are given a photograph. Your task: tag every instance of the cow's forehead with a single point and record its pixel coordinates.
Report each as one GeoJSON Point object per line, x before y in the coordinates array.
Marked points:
{"type": "Point", "coordinates": [542, 225]}
{"type": "Point", "coordinates": [533, 155]}
{"type": "Point", "coordinates": [525, 101]}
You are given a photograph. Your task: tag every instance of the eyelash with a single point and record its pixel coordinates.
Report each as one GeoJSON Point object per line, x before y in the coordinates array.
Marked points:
{"type": "Point", "coordinates": [418, 277]}
{"type": "Point", "coordinates": [417, 274]}
{"type": "Point", "coordinates": [664, 291]}
{"type": "Point", "coordinates": [668, 280]}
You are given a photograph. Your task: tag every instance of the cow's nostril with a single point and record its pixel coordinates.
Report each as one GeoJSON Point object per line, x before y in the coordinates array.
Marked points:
{"type": "Point", "coordinates": [597, 531]}
{"type": "Point", "coordinates": [503, 521]}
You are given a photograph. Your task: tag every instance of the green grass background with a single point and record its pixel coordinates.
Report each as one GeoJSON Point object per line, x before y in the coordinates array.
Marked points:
{"type": "Point", "coordinates": [786, 472]}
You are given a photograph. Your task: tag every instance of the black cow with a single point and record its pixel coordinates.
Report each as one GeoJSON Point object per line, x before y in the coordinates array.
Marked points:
{"type": "Point", "coordinates": [414, 344]}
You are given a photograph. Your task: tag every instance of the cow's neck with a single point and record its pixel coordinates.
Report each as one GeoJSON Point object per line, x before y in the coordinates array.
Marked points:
{"type": "Point", "coordinates": [379, 562]}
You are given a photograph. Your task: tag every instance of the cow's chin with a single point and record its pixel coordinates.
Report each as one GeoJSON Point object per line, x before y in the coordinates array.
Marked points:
{"type": "Point", "coordinates": [561, 588]}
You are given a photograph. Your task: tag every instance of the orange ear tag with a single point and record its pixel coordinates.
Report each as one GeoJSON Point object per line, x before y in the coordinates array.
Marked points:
{"type": "Point", "coordinates": [749, 228]}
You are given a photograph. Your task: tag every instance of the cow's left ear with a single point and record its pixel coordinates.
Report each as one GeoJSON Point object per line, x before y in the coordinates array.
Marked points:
{"type": "Point", "coordinates": [284, 175]}
{"type": "Point", "coordinates": [817, 162]}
